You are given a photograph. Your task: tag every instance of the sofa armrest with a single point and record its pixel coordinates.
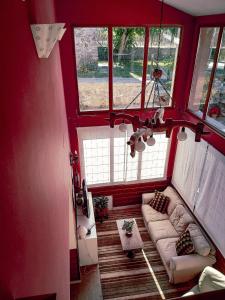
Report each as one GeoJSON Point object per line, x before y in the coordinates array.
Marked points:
{"type": "Point", "coordinates": [191, 261]}
{"type": "Point", "coordinates": [146, 197]}
{"type": "Point", "coordinates": [186, 267]}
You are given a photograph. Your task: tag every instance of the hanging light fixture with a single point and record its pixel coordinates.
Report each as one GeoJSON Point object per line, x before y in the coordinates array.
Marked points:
{"type": "Point", "coordinates": [182, 135]}
{"type": "Point", "coordinates": [144, 129]}
{"type": "Point", "coordinates": [123, 127]}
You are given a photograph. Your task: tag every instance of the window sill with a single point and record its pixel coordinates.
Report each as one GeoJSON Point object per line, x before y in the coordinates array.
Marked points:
{"type": "Point", "coordinates": [127, 182]}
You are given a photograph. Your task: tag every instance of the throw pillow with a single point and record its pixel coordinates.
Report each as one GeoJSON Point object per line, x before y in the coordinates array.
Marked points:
{"type": "Point", "coordinates": [201, 245]}
{"type": "Point", "coordinates": [184, 244]}
{"type": "Point", "coordinates": [160, 202]}
{"type": "Point", "coordinates": [180, 218]}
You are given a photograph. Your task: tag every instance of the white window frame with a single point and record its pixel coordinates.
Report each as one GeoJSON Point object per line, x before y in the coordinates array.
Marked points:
{"type": "Point", "coordinates": [87, 133]}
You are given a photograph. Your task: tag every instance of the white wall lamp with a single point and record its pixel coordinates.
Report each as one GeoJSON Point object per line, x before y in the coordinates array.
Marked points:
{"type": "Point", "coordinates": [45, 36]}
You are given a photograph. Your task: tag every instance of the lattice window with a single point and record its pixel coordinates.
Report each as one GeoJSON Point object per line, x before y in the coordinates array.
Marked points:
{"type": "Point", "coordinates": [105, 157]}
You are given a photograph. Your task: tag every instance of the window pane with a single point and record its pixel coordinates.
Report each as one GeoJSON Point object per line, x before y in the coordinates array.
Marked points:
{"type": "Point", "coordinates": [154, 158]}
{"type": "Point", "coordinates": [97, 160]}
{"type": "Point", "coordinates": [169, 45]}
{"type": "Point", "coordinates": [91, 48]}
{"type": "Point", "coordinates": [128, 54]}
{"type": "Point", "coordinates": [125, 167]}
{"type": "Point", "coordinates": [132, 167]}
{"type": "Point", "coordinates": [203, 67]}
{"type": "Point", "coordinates": [216, 108]}
{"type": "Point", "coordinates": [119, 159]}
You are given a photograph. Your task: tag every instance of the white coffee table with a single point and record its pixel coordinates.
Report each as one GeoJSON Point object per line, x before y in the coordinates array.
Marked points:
{"type": "Point", "coordinates": [129, 243]}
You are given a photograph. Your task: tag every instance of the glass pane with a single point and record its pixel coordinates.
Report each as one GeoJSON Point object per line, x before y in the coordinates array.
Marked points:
{"type": "Point", "coordinates": [203, 67]}
{"type": "Point", "coordinates": [97, 160]}
{"type": "Point", "coordinates": [132, 166]}
{"type": "Point", "coordinates": [167, 57]}
{"type": "Point", "coordinates": [216, 108]}
{"type": "Point", "coordinates": [125, 167]}
{"type": "Point", "coordinates": [119, 159]}
{"type": "Point", "coordinates": [91, 49]}
{"type": "Point", "coordinates": [128, 54]}
{"type": "Point", "coordinates": [154, 158]}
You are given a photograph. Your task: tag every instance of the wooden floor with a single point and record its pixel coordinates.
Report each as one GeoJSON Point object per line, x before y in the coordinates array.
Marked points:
{"type": "Point", "coordinates": [90, 287]}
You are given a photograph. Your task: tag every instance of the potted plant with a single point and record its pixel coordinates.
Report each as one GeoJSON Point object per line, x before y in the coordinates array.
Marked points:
{"type": "Point", "coordinates": [128, 226]}
{"type": "Point", "coordinates": [101, 208]}
{"type": "Point", "coordinates": [214, 111]}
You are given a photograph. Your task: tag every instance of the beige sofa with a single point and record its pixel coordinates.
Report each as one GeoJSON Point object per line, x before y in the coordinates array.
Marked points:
{"type": "Point", "coordinates": [165, 229]}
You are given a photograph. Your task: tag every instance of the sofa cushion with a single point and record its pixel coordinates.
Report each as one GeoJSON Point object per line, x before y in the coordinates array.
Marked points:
{"type": "Point", "coordinates": [201, 245]}
{"type": "Point", "coordinates": [174, 199]}
{"type": "Point", "coordinates": [159, 202]}
{"type": "Point", "coordinates": [184, 244]}
{"type": "Point", "coordinates": [167, 249]}
{"type": "Point", "coordinates": [161, 230]}
{"type": "Point", "coordinates": [150, 214]}
{"type": "Point", "coordinates": [180, 218]}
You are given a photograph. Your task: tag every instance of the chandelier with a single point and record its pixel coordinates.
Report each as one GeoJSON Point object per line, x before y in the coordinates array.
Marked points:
{"type": "Point", "coordinates": [144, 129]}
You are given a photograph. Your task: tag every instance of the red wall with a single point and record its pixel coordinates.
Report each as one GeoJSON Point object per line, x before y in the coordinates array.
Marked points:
{"type": "Point", "coordinates": [34, 160]}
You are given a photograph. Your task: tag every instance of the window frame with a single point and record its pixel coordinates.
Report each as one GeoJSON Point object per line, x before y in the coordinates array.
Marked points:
{"type": "Point", "coordinates": [202, 116]}
{"type": "Point", "coordinates": [111, 175]}
{"type": "Point", "coordinates": [110, 67]}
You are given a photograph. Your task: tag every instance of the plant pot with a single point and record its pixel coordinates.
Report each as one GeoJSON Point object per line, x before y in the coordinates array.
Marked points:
{"type": "Point", "coordinates": [129, 233]}
{"type": "Point", "coordinates": [105, 212]}
{"type": "Point", "coordinates": [214, 116]}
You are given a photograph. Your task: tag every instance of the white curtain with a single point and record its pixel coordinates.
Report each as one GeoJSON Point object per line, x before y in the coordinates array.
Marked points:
{"type": "Point", "coordinates": [210, 206]}
{"type": "Point", "coordinates": [188, 166]}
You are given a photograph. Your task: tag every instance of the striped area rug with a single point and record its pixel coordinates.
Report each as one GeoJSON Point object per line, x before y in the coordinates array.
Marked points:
{"type": "Point", "coordinates": [142, 277]}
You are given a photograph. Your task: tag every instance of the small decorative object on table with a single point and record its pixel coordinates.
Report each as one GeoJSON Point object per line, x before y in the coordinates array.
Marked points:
{"type": "Point", "coordinates": [101, 208]}
{"type": "Point", "coordinates": [128, 226]}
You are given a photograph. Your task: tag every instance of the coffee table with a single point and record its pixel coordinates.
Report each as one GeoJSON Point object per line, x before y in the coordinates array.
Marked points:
{"type": "Point", "coordinates": [129, 243]}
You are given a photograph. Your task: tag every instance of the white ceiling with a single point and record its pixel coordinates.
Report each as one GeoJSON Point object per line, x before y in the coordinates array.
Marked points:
{"type": "Point", "coordinates": [199, 7]}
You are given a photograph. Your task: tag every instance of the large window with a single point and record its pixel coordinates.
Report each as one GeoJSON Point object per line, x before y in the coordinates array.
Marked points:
{"type": "Point", "coordinates": [207, 97]}
{"type": "Point", "coordinates": [106, 157]}
{"type": "Point", "coordinates": [114, 65]}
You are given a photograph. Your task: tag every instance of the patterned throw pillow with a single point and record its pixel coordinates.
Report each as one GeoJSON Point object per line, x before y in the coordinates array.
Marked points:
{"type": "Point", "coordinates": [160, 202]}
{"type": "Point", "coordinates": [184, 244]}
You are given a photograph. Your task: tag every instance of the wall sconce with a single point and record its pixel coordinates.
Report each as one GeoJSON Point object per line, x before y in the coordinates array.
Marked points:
{"type": "Point", "coordinates": [45, 36]}
{"type": "Point", "coordinates": [73, 158]}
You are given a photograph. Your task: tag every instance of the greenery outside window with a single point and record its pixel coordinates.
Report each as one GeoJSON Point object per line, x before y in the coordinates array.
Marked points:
{"type": "Point", "coordinates": [128, 55]}
{"type": "Point", "coordinates": [91, 49]}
